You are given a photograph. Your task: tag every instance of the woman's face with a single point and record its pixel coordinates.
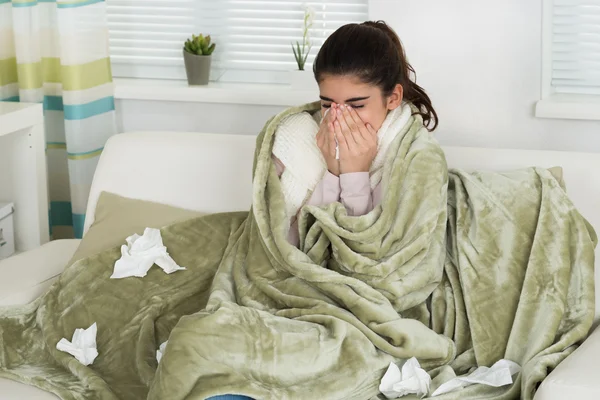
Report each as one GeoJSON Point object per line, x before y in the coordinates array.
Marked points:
{"type": "Point", "coordinates": [366, 99]}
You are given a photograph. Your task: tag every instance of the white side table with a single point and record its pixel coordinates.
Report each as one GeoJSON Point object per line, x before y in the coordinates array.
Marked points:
{"type": "Point", "coordinates": [23, 172]}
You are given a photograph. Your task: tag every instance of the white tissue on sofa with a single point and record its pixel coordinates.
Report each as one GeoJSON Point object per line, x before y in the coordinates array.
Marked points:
{"type": "Point", "coordinates": [140, 253]}
{"type": "Point", "coordinates": [82, 346]}
{"type": "Point", "coordinates": [414, 380]}
{"type": "Point", "coordinates": [411, 380]}
{"type": "Point", "coordinates": [499, 374]}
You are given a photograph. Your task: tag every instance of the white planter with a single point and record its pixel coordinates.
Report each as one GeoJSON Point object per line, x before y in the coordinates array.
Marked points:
{"type": "Point", "coordinates": [303, 80]}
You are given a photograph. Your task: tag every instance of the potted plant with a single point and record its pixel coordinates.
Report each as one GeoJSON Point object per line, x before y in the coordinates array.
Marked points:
{"type": "Point", "coordinates": [301, 79]}
{"type": "Point", "coordinates": [197, 57]}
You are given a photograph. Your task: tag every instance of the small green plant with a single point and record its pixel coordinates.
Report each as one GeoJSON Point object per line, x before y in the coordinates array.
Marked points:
{"type": "Point", "coordinates": [199, 45]}
{"type": "Point", "coordinates": [301, 51]}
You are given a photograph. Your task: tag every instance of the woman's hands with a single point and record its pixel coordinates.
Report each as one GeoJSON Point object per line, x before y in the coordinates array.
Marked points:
{"type": "Point", "coordinates": [327, 142]}
{"type": "Point", "coordinates": [357, 140]}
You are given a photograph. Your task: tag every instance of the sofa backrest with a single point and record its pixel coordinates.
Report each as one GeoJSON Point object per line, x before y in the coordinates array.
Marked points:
{"type": "Point", "coordinates": [206, 172]}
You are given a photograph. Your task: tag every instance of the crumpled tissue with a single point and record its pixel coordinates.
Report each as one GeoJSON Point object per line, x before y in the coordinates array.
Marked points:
{"type": "Point", "coordinates": [140, 253]}
{"type": "Point", "coordinates": [411, 380]}
{"type": "Point", "coordinates": [82, 346]}
{"type": "Point", "coordinates": [499, 374]}
{"type": "Point", "coordinates": [161, 350]}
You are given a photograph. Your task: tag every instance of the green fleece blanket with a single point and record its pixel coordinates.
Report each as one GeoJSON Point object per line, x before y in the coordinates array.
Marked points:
{"type": "Point", "coordinates": [458, 270]}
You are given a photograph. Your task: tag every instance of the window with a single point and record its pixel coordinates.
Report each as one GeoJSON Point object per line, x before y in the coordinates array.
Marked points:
{"type": "Point", "coordinates": [253, 36]}
{"type": "Point", "coordinates": [571, 60]}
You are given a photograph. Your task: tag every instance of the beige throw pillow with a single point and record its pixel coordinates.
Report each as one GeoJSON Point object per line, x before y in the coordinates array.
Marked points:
{"type": "Point", "coordinates": [118, 217]}
{"type": "Point", "coordinates": [557, 173]}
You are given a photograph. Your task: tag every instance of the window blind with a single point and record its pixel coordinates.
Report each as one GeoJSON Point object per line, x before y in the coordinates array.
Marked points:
{"type": "Point", "coordinates": [253, 36]}
{"type": "Point", "coordinates": [576, 46]}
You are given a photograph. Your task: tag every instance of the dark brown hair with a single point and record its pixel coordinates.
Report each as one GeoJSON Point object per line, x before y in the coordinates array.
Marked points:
{"type": "Point", "coordinates": [373, 52]}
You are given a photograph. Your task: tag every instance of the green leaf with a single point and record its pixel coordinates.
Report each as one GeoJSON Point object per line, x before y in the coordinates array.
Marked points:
{"type": "Point", "coordinates": [301, 58]}
{"type": "Point", "coordinates": [211, 49]}
{"type": "Point", "coordinates": [296, 56]}
{"type": "Point", "coordinates": [304, 61]}
{"type": "Point", "coordinates": [306, 56]}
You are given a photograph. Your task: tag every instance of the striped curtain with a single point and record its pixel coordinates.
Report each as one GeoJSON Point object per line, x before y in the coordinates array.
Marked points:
{"type": "Point", "coordinates": [56, 52]}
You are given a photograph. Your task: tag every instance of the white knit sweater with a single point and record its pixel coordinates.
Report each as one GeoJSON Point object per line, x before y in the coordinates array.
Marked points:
{"type": "Point", "coordinates": [296, 146]}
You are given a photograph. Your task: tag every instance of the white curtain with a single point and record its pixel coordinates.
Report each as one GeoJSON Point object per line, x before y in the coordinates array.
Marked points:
{"type": "Point", "coordinates": [56, 52]}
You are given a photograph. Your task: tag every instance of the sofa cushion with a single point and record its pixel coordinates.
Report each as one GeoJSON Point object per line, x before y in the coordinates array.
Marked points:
{"type": "Point", "coordinates": [558, 174]}
{"type": "Point", "coordinates": [118, 217]}
{"type": "Point", "coordinates": [575, 377]}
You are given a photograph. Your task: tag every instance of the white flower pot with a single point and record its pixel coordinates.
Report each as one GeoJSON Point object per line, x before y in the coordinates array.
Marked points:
{"type": "Point", "coordinates": [303, 80]}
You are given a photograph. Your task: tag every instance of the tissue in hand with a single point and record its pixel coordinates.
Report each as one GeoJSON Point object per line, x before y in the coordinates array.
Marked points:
{"type": "Point", "coordinates": [412, 380]}
{"type": "Point", "coordinates": [140, 253]}
{"type": "Point", "coordinates": [83, 345]}
{"type": "Point", "coordinates": [499, 374]}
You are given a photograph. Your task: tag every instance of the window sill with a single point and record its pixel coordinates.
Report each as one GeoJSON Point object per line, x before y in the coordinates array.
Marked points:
{"type": "Point", "coordinates": [568, 106]}
{"type": "Point", "coordinates": [222, 93]}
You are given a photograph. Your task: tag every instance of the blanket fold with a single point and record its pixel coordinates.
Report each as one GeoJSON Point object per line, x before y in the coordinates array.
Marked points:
{"type": "Point", "coordinates": [456, 269]}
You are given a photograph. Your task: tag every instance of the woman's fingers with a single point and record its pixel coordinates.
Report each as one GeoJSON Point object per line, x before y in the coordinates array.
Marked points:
{"type": "Point", "coordinates": [361, 126]}
{"type": "Point", "coordinates": [327, 116]}
{"type": "Point", "coordinates": [350, 121]}
{"type": "Point", "coordinates": [355, 117]}
{"type": "Point", "coordinates": [341, 138]}
{"type": "Point", "coordinates": [357, 129]}
{"type": "Point", "coordinates": [323, 136]}
{"type": "Point", "coordinates": [321, 139]}
{"type": "Point", "coordinates": [331, 140]}
{"type": "Point", "coordinates": [346, 130]}
{"type": "Point", "coordinates": [331, 112]}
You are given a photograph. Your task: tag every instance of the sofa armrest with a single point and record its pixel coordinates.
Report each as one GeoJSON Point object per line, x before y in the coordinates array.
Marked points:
{"type": "Point", "coordinates": [577, 376]}
{"type": "Point", "coordinates": [26, 276]}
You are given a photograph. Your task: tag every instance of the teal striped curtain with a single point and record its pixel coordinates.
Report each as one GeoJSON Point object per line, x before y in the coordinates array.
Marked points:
{"type": "Point", "coordinates": [56, 52]}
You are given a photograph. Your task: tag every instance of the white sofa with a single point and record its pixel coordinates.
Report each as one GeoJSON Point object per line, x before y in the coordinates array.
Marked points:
{"type": "Point", "coordinates": [212, 173]}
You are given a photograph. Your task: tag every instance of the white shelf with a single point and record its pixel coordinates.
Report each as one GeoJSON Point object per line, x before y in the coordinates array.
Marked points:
{"type": "Point", "coordinates": [23, 173]}
{"type": "Point", "coordinates": [569, 106]}
{"type": "Point", "coordinates": [16, 116]}
{"type": "Point", "coordinates": [222, 93]}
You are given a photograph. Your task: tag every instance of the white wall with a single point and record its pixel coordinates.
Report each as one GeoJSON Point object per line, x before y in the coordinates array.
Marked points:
{"type": "Point", "coordinates": [480, 62]}
{"type": "Point", "coordinates": [141, 115]}
{"type": "Point", "coordinates": [478, 59]}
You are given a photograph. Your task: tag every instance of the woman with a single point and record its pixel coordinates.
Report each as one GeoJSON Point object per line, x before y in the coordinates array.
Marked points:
{"type": "Point", "coordinates": [363, 76]}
